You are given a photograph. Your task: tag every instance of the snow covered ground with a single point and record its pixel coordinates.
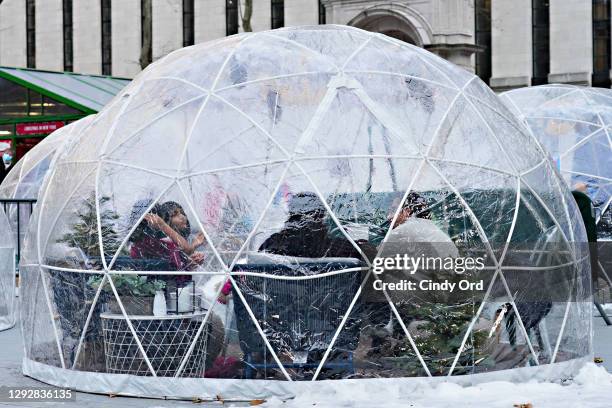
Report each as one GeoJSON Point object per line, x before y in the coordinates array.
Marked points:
{"type": "Point", "coordinates": [591, 388]}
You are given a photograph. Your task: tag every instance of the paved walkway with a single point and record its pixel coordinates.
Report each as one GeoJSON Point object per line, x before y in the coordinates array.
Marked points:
{"type": "Point", "coordinates": [602, 342]}
{"type": "Point", "coordinates": [11, 353]}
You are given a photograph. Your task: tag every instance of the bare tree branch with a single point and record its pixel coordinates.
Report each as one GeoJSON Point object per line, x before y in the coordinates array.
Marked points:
{"type": "Point", "coordinates": [246, 16]}
{"type": "Point", "coordinates": [146, 56]}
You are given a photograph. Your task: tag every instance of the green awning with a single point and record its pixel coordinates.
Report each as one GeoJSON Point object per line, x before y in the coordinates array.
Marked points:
{"type": "Point", "coordinates": [85, 92]}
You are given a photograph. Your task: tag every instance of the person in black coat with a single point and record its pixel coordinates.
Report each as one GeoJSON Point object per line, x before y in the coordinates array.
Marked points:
{"type": "Point", "coordinates": [305, 233]}
{"type": "Point", "coordinates": [587, 211]}
{"type": "Point", "coordinates": [3, 171]}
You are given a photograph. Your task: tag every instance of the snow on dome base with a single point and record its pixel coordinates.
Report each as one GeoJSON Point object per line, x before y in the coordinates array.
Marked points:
{"type": "Point", "coordinates": [219, 219]}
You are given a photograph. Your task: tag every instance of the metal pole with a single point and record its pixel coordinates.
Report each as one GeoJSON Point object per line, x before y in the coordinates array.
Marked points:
{"type": "Point", "coordinates": [603, 313]}
{"type": "Point", "coordinates": [18, 232]}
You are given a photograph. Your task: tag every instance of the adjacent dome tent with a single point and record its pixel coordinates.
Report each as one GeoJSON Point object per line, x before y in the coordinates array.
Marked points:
{"type": "Point", "coordinates": [248, 183]}
{"type": "Point", "coordinates": [26, 177]}
{"type": "Point", "coordinates": [571, 123]}
{"type": "Point", "coordinates": [7, 275]}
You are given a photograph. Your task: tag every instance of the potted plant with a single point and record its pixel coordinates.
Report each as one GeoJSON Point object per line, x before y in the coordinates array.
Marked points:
{"type": "Point", "coordinates": [136, 293]}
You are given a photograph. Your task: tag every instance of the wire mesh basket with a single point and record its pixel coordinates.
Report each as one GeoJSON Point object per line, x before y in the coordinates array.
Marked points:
{"type": "Point", "coordinates": [165, 340]}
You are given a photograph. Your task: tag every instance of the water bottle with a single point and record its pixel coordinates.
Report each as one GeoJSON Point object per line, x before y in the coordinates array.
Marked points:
{"type": "Point", "coordinates": [159, 304]}
{"type": "Point", "coordinates": [185, 298]}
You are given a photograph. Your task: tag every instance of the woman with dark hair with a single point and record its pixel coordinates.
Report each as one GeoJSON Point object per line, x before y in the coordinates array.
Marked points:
{"type": "Point", "coordinates": [163, 234]}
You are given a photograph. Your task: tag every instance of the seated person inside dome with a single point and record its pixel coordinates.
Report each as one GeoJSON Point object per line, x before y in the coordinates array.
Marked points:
{"type": "Point", "coordinates": [413, 233]}
{"type": "Point", "coordinates": [164, 234]}
{"type": "Point", "coordinates": [381, 323]}
{"type": "Point", "coordinates": [414, 205]}
{"type": "Point", "coordinates": [305, 233]}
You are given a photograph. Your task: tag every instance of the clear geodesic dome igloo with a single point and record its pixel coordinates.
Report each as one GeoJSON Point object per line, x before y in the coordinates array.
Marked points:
{"type": "Point", "coordinates": [213, 233]}
{"type": "Point", "coordinates": [572, 123]}
{"type": "Point", "coordinates": [26, 177]}
{"type": "Point", "coordinates": [7, 274]}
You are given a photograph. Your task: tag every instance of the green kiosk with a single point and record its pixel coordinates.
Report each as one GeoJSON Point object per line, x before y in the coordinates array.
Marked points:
{"type": "Point", "coordinates": [34, 103]}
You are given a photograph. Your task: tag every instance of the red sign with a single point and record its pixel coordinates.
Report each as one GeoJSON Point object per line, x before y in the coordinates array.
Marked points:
{"type": "Point", "coordinates": [38, 128]}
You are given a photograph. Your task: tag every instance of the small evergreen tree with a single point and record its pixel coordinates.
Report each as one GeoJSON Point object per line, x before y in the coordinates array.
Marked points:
{"type": "Point", "coordinates": [84, 232]}
{"type": "Point", "coordinates": [442, 330]}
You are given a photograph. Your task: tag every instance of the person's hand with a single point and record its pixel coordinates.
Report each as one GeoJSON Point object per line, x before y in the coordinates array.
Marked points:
{"type": "Point", "coordinates": [222, 299]}
{"type": "Point", "coordinates": [197, 258]}
{"type": "Point", "coordinates": [403, 215]}
{"type": "Point", "coordinates": [154, 220]}
{"type": "Point", "coordinates": [198, 240]}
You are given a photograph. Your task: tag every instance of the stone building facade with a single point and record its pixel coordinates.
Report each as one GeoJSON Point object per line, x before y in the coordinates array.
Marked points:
{"type": "Point", "coordinates": [509, 43]}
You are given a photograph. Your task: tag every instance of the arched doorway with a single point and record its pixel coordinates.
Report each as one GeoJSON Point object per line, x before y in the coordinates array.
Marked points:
{"type": "Point", "coordinates": [395, 20]}
{"type": "Point", "coordinates": [393, 27]}
{"type": "Point", "coordinates": [407, 24]}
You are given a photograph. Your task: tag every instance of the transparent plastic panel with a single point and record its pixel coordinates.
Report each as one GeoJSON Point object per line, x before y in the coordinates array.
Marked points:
{"type": "Point", "coordinates": [281, 107]}
{"type": "Point", "coordinates": [571, 124]}
{"type": "Point", "coordinates": [70, 237]}
{"type": "Point", "coordinates": [77, 318]}
{"type": "Point", "coordinates": [553, 198]}
{"type": "Point", "coordinates": [453, 140]}
{"type": "Point", "coordinates": [162, 233]}
{"type": "Point", "coordinates": [224, 358]}
{"type": "Point", "coordinates": [8, 297]}
{"type": "Point", "coordinates": [94, 136]}
{"type": "Point", "coordinates": [372, 344]}
{"type": "Point", "coordinates": [39, 323]}
{"type": "Point", "coordinates": [144, 109]}
{"type": "Point", "coordinates": [402, 98]}
{"type": "Point", "coordinates": [576, 322]}
{"type": "Point", "coordinates": [365, 193]}
{"type": "Point", "coordinates": [533, 97]}
{"type": "Point", "coordinates": [591, 157]}
{"type": "Point", "coordinates": [387, 60]}
{"type": "Point", "coordinates": [461, 78]}
{"type": "Point", "coordinates": [369, 134]}
{"type": "Point", "coordinates": [497, 340]}
{"type": "Point", "coordinates": [228, 204]}
{"type": "Point", "coordinates": [11, 181]}
{"type": "Point", "coordinates": [201, 65]}
{"type": "Point", "coordinates": [510, 137]}
{"type": "Point", "coordinates": [476, 92]}
{"type": "Point", "coordinates": [263, 57]}
{"type": "Point", "coordinates": [246, 142]}
{"type": "Point", "coordinates": [337, 47]}
{"type": "Point", "coordinates": [564, 134]}
{"type": "Point", "coordinates": [491, 198]}
{"type": "Point", "coordinates": [26, 177]}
